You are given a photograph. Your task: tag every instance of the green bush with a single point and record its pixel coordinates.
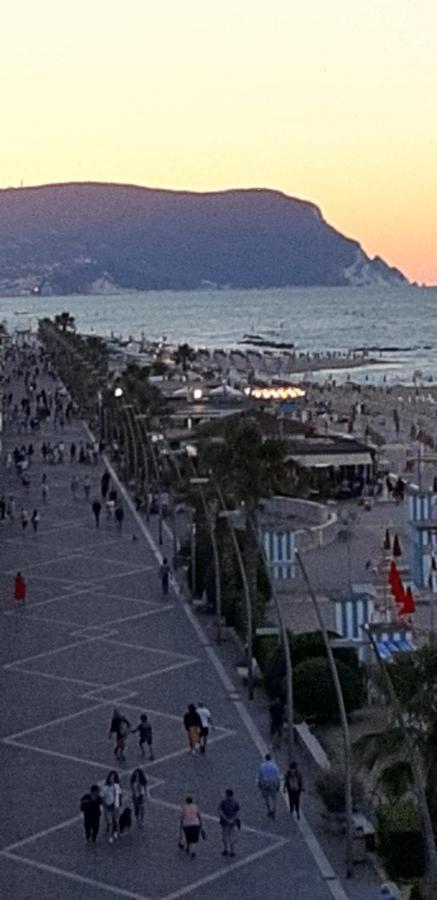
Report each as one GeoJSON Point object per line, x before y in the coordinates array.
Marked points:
{"type": "Point", "coordinates": [400, 839]}
{"type": "Point", "coordinates": [309, 645]}
{"type": "Point", "coordinates": [314, 691]}
{"type": "Point", "coordinates": [330, 788]}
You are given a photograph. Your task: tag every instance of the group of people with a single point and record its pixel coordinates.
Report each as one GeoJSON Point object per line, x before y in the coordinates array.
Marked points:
{"type": "Point", "coordinates": [269, 783]}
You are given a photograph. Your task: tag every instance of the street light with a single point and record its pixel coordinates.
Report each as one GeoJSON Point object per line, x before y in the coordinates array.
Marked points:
{"type": "Point", "coordinates": [343, 718]}
{"type": "Point", "coordinates": [210, 521]}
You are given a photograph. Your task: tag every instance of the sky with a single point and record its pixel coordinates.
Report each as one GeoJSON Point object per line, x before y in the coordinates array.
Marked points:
{"type": "Point", "coordinates": [333, 101]}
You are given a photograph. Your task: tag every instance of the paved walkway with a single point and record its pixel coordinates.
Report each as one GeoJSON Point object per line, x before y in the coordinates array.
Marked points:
{"type": "Point", "coordinates": [96, 633]}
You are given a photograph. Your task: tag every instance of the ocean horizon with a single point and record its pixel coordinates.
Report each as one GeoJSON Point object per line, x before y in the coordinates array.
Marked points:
{"type": "Point", "coordinates": [397, 324]}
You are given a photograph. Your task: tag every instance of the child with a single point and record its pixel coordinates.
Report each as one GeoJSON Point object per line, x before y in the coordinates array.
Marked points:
{"type": "Point", "coordinates": [144, 730]}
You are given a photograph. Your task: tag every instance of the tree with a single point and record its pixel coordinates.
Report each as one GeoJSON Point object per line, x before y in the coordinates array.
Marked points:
{"type": "Point", "coordinates": [65, 322]}
{"type": "Point", "coordinates": [183, 355]}
{"type": "Point", "coordinates": [314, 692]}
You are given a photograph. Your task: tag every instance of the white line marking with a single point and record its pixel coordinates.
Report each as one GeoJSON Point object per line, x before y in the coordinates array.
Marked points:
{"type": "Point", "coordinates": [40, 834]}
{"type": "Point", "coordinates": [26, 659]}
{"type": "Point", "coordinates": [220, 873]}
{"type": "Point", "coordinates": [25, 671]}
{"type": "Point", "coordinates": [69, 718]}
{"type": "Point", "coordinates": [180, 665]}
{"type": "Point", "coordinates": [67, 756]}
{"type": "Point", "coordinates": [323, 865]}
{"type": "Point", "coordinates": [81, 879]}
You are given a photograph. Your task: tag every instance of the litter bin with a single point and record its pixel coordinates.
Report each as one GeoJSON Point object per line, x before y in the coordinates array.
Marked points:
{"type": "Point", "coordinates": [358, 845]}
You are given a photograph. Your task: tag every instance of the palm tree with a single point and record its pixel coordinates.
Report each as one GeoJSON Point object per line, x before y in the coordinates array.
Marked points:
{"type": "Point", "coordinates": [65, 322]}
{"type": "Point", "coordinates": [403, 755]}
{"type": "Point", "coordinates": [248, 468]}
{"type": "Point", "coordinates": [184, 355]}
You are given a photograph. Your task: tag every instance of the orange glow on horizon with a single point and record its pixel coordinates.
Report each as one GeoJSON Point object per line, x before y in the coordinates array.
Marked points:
{"type": "Point", "coordinates": [334, 103]}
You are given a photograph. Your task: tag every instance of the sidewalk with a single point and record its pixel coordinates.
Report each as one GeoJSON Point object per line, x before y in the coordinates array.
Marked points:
{"type": "Point", "coordinates": [96, 633]}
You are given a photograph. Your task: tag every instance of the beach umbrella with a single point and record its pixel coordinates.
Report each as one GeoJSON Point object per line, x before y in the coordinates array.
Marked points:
{"type": "Point", "coordinates": [409, 605]}
{"type": "Point", "coordinates": [396, 547]}
{"type": "Point", "coordinates": [387, 541]}
{"type": "Point", "coordinates": [395, 583]}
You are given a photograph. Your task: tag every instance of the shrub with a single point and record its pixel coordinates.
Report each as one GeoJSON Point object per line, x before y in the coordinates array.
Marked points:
{"type": "Point", "coordinates": [314, 691]}
{"type": "Point", "coordinates": [309, 645]}
{"type": "Point", "coordinates": [330, 788]}
{"type": "Point", "coordinates": [400, 839]}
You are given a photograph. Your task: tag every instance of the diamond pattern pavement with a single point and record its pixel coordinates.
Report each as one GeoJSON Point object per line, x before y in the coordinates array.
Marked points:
{"type": "Point", "coordinates": [95, 632]}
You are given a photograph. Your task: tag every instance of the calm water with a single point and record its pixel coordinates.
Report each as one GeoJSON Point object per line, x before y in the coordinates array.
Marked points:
{"type": "Point", "coordinates": [313, 318]}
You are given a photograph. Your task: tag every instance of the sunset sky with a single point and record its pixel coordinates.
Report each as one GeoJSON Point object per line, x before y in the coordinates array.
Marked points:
{"type": "Point", "coordinates": [329, 100]}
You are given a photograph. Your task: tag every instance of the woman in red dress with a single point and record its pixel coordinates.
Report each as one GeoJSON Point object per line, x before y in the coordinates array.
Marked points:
{"type": "Point", "coordinates": [19, 588]}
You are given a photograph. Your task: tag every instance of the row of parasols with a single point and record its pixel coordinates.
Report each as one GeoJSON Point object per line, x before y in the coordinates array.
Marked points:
{"type": "Point", "coordinates": [403, 596]}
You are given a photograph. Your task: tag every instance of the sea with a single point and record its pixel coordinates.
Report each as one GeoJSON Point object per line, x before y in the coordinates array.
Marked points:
{"type": "Point", "coordinates": [397, 325]}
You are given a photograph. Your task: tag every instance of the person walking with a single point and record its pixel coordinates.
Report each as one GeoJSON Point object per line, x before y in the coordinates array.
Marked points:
{"type": "Point", "coordinates": [190, 827]}
{"type": "Point", "coordinates": [119, 730]}
{"type": "Point", "coordinates": [276, 712]}
{"type": "Point", "coordinates": [87, 487]}
{"type": "Point", "coordinates": [145, 733]}
{"type": "Point", "coordinates": [44, 488]}
{"type": "Point", "coordinates": [293, 787]}
{"type": "Point", "coordinates": [111, 796]}
{"type": "Point", "coordinates": [90, 806]}
{"type": "Point", "coordinates": [20, 589]}
{"type": "Point", "coordinates": [206, 720]}
{"type": "Point", "coordinates": [72, 452]}
{"type": "Point", "coordinates": [104, 484]}
{"type": "Point", "coordinates": [35, 520]}
{"type": "Point", "coordinates": [269, 783]}
{"type": "Point", "coordinates": [74, 484]}
{"type": "Point", "coordinates": [97, 508]}
{"type": "Point", "coordinates": [119, 516]}
{"type": "Point", "coordinates": [193, 727]}
{"type": "Point", "coordinates": [24, 520]}
{"type": "Point", "coordinates": [165, 575]}
{"type": "Point", "coordinates": [229, 811]}
{"type": "Point", "coordinates": [138, 785]}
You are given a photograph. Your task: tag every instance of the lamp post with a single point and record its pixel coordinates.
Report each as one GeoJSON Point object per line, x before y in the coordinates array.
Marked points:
{"type": "Point", "coordinates": [210, 521]}
{"type": "Point", "coordinates": [343, 718]}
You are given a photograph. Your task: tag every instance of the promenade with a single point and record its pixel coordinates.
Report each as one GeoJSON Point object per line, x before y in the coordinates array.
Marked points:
{"type": "Point", "coordinates": [96, 633]}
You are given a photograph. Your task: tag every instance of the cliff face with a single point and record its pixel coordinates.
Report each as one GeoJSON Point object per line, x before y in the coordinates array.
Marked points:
{"type": "Point", "coordinates": [84, 238]}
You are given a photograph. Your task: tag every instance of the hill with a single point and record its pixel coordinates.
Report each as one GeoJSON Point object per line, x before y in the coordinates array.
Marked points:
{"type": "Point", "coordinates": [98, 238]}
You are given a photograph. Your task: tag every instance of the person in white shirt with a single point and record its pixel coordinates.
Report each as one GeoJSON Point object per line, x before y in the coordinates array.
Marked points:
{"type": "Point", "coordinates": [111, 796]}
{"type": "Point", "coordinates": [206, 720]}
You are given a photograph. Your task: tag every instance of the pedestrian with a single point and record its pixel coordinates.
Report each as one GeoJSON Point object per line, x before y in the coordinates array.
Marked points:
{"type": "Point", "coordinates": [229, 819]}
{"type": "Point", "coordinates": [389, 891]}
{"type": "Point", "coordinates": [206, 723]}
{"type": "Point", "coordinates": [164, 575]}
{"type": "Point", "coordinates": [293, 787]}
{"type": "Point", "coordinates": [87, 487]}
{"type": "Point", "coordinates": [193, 727]}
{"type": "Point", "coordinates": [35, 520]}
{"type": "Point", "coordinates": [24, 520]}
{"type": "Point", "coordinates": [110, 510]}
{"type": "Point", "coordinates": [119, 730]}
{"type": "Point", "coordinates": [74, 484]}
{"type": "Point", "coordinates": [111, 796]}
{"type": "Point", "coordinates": [44, 488]}
{"type": "Point", "coordinates": [145, 733]}
{"type": "Point", "coordinates": [97, 508]}
{"type": "Point", "coordinates": [119, 516]}
{"type": "Point", "coordinates": [72, 452]}
{"type": "Point", "coordinates": [90, 805]}
{"type": "Point", "coordinates": [269, 783]}
{"type": "Point", "coordinates": [190, 827]}
{"type": "Point", "coordinates": [2, 508]}
{"type": "Point", "coordinates": [138, 784]}
{"type": "Point", "coordinates": [20, 589]}
{"type": "Point", "coordinates": [11, 508]}
{"type": "Point", "coordinates": [104, 484]}
{"type": "Point", "coordinates": [276, 712]}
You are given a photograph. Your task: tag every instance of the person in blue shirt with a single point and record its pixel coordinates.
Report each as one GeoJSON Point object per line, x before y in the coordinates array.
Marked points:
{"type": "Point", "coordinates": [229, 822]}
{"type": "Point", "coordinates": [269, 783]}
